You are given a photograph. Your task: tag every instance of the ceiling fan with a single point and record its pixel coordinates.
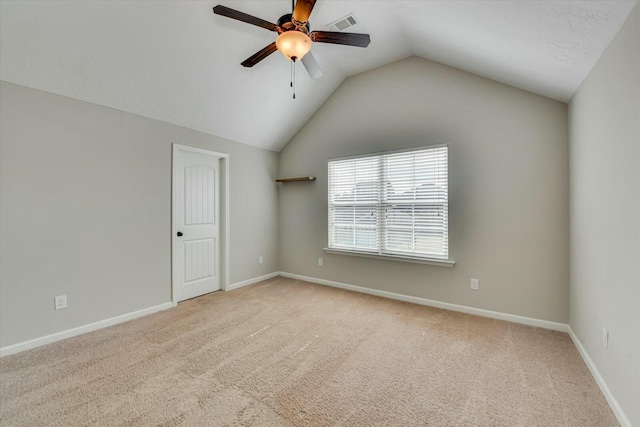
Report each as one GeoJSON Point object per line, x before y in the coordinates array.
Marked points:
{"type": "Point", "coordinates": [294, 37]}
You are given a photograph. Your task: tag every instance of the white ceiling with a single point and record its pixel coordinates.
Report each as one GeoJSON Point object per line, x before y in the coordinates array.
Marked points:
{"type": "Point", "coordinates": [177, 62]}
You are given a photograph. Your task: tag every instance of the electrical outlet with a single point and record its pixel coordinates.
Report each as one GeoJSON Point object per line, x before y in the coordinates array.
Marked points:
{"type": "Point", "coordinates": [260, 259]}
{"type": "Point", "coordinates": [60, 302]}
{"type": "Point", "coordinates": [475, 284]}
{"type": "Point", "coordinates": [320, 262]}
{"type": "Point", "coordinates": [605, 338]}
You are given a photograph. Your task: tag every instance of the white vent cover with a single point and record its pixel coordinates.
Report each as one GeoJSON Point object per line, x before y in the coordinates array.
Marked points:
{"type": "Point", "coordinates": [343, 23]}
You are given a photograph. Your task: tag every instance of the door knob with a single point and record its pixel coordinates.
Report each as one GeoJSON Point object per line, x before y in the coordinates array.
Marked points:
{"type": "Point", "coordinates": [179, 233]}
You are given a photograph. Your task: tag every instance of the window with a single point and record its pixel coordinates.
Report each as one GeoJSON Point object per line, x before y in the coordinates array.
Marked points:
{"type": "Point", "coordinates": [391, 204]}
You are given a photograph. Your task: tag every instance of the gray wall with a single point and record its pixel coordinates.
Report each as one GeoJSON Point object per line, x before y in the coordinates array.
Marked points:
{"type": "Point", "coordinates": [508, 183]}
{"type": "Point", "coordinates": [86, 211]}
{"type": "Point", "coordinates": [604, 120]}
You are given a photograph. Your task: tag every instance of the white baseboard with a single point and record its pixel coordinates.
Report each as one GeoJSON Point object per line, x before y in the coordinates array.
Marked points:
{"type": "Point", "coordinates": [613, 403]}
{"type": "Point", "coordinates": [438, 304]}
{"type": "Point", "coordinates": [58, 336]}
{"type": "Point", "coordinates": [251, 281]}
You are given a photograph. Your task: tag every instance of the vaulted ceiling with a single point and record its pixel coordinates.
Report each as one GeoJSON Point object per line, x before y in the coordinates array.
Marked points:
{"type": "Point", "coordinates": [177, 62]}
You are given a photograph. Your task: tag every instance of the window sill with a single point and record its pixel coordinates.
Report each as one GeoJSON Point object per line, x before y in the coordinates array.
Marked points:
{"type": "Point", "coordinates": [439, 262]}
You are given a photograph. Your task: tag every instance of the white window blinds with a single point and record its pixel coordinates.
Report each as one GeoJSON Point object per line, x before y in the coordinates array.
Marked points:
{"type": "Point", "coordinates": [391, 203]}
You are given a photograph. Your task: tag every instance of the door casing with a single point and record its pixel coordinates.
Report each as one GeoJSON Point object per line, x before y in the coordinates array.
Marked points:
{"type": "Point", "coordinates": [225, 245]}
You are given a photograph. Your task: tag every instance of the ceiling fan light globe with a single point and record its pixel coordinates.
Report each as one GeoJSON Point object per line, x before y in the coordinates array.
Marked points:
{"type": "Point", "coordinates": [293, 44]}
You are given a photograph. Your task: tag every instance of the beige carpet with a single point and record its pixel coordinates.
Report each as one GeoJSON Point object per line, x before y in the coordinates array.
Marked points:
{"type": "Point", "coordinates": [285, 352]}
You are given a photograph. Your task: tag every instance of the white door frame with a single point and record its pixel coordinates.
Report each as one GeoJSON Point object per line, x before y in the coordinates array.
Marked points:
{"type": "Point", "coordinates": [225, 221]}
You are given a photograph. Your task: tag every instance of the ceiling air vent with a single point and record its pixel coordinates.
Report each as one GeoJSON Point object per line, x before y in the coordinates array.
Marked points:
{"type": "Point", "coordinates": [343, 23]}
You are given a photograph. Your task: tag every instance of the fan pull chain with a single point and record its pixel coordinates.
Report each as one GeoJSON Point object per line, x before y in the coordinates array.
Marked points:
{"type": "Point", "coordinates": [292, 84]}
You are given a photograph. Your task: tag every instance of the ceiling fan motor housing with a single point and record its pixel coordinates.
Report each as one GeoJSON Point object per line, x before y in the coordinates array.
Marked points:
{"type": "Point", "coordinates": [287, 23]}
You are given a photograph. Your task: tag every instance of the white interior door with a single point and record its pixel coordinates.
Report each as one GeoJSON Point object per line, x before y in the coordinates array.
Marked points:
{"type": "Point", "coordinates": [196, 234]}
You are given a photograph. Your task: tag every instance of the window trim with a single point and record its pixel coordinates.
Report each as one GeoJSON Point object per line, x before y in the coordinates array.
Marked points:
{"type": "Point", "coordinates": [380, 153]}
{"type": "Point", "coordinates": [385, 256]}
{"type": "Point", "coordinates": [416, 260]}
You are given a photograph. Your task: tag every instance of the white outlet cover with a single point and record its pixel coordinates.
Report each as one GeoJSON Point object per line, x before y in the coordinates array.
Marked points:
{"type": "Point", "coordinates": [475, 284]}
{"type": "Point", "coordinates": [260, 259]}
{"type": "Point", "coordinates": [60, 302]}
{"type": "Point", "coordinates": [320, 262]}
{"type": "Point", "coordinates": [605, 338]}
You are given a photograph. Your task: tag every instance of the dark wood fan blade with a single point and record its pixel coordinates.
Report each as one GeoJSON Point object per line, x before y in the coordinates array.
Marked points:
{"type": "Point", "coordinates": [260, 55]}
{"type": "Point", "coordinates": [303, 9]}
{"type": "Point", "coordinates": [241, 16]}
{"type": "Point", "coordinates": [349, 39]}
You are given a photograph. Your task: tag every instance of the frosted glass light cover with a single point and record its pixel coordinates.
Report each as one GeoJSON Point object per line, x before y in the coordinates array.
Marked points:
{"type": "Point", "coordinates": [293, 44]}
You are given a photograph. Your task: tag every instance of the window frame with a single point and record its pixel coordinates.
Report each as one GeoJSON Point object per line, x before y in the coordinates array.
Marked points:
{"type": "Point", "coordinates": [379, 252]}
